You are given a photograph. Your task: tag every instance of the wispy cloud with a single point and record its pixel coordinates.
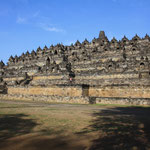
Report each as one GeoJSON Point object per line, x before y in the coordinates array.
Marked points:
{"type": "Point", "coordinates": [53, 29]}
{"type": "Point", "coordinates": [50, 28]}
{"type": "Point", "coordinates": [27, 19]}
{"type": "Point", "coordinates": [39, 21]}
{"type": "Point", "coordinates": [21, 20]}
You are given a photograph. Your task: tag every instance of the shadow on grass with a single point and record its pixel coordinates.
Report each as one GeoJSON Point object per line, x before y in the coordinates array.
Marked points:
{"type": "Point", "coordinates": [14, 125]}
{"type": "Point", "coordinates": [121, 129]}
{"type": "Point", "coordinates": [16, 134]}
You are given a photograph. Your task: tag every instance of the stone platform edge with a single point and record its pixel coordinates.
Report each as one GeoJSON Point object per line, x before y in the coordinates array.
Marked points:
{"type": "Point", "coordinates": [78, 100]}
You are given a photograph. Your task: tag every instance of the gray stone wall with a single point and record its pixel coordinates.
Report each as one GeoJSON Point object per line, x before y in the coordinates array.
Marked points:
{"type": "Point", "coordinates": [97, 63]}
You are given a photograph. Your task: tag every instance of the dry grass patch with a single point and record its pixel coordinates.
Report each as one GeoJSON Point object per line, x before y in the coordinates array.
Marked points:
{"type": "Point", "coordinates": [25, 125]}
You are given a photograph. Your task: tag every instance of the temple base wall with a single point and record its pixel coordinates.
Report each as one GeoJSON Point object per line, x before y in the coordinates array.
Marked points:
{"type": "Point", "coordinates": [64, 91]}
{"type": "Point", "coordinates": [82, 94]}
{"type": "Point", "coordinates": [120, 101]}
{"type": "Point", "coordinates": [49, 99]}
{"type": "Point", "coordinates": [120, 91]}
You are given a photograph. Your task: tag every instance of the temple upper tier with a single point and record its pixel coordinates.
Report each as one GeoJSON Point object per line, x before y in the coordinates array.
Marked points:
{"type": "Point", "coordinates": [98, 57]}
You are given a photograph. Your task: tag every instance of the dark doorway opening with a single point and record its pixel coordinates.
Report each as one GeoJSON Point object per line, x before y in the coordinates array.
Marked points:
{"type": "Point", "coordinates": [85, 90]}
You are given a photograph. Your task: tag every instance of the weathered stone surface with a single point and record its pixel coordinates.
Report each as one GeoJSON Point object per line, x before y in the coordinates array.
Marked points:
{"type": "Point", "coordinates": [122, 101]}
{"type": "Point", "coordinates": [89, 70]}
{"type": "Point", "coordinates": [51, 99]}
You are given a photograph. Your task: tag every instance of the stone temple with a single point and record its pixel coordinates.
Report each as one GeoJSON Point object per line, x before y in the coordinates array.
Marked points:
{"type": "Point", "coordinates": [100, 71]}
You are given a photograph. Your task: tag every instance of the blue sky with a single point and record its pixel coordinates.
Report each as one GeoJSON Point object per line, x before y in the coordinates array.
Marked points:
{"type": "Point", "coordinates": [28, 24]}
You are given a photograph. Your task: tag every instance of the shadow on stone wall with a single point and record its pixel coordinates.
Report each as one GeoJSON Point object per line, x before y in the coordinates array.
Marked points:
{"type": "Point", "coordinates": [121, 129]}
{"type": "Point", "coordinates": [92, 100]}
{"type": "Point", "coordinates": [3, 89]}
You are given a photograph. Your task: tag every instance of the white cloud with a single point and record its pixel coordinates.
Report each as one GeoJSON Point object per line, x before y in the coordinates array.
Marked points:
{"type": "Point", "coordinates": [27, 19]}
{"type": "Point", "coordinates": [39, 21]}
{"type": "Point", "coordinates": [53, 29]}
{"type": "Point", "coordinates": [50, 28]}
{"type": "Point", "coordinates": [21, 20]}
